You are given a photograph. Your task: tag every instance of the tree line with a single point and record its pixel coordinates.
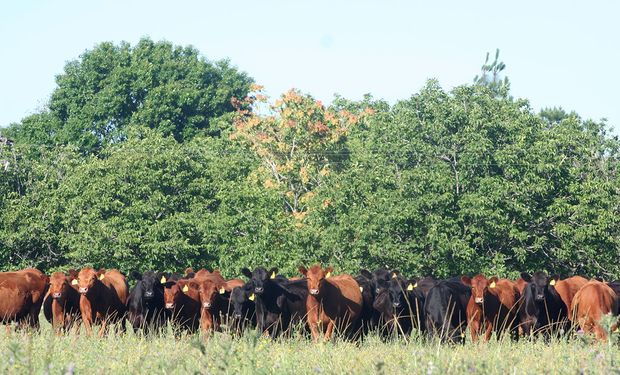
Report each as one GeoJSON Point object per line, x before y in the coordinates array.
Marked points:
{"type": "Point", "coordinates": [153, 157]}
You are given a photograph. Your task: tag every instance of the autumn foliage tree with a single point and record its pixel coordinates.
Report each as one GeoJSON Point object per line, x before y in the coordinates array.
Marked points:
{"type": "Point", "coordinates": [299, 141]}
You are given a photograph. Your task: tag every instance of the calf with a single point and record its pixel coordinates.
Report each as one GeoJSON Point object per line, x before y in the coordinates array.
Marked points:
{"type": "Point", "coordinates": [62, 302]}
{"type": "Point", "coordinates": [446, 310]}
{"type": "Point", "coordinates": [182, 303]}
{"type": "Point", "coordinates": [244, 309]}
{"type": "Point", "coordinates": [103, 298]}
{"type": "Point", "coordinates": [493, 305]}
{"type": "Point", "coordinates": [145, 305]}
{"type": "Point", "coordinates": [542, 309]}
{"type": "Point", "coordinates": [332, 302]}
{"type": "Point", "coordinates": [372, 284]}
{"type": "Point", "coordinates": [21, 296]}
{"type": "Point", "coordinates": [279, 303]}
{"type": "Point", "coordinates": [594, 300]}
{"type": "Point", "coordinates": [402, 305]}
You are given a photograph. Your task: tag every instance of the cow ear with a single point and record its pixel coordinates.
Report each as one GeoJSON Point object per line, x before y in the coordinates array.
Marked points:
{"type": "Point", "coordinates": [328, 271]}
{"type": "Point", "coordinates": [303, 270]}
{"type": "Point", "coordinates": [246, 272]}
{"type": "Point", "coordinates": [526, 276]}
{"type": "Point", "coordinates": [135, 275]}
{"type": "Point", "coordinates": [493, 279]}
{"type": "Point", "coordinates": [72, 273]}
{"type": "Point", "coordinates": [189, 270]}
{"type": "Point", "coordinates": [45, 278]}
{"type": "Point", "coordinates": [366, 273]}
{"type": "Point", "coordinates": [466, 280]}
{"type": "Point", "coordinates": [554, 279]}
{"type": "Point", "coordinates": [100, 274]}
{"type": "Point", "coordinates": [273, 272]}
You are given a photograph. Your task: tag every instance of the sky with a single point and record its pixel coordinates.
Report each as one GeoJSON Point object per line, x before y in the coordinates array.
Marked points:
{"type": "Point", "coordinates": [557, 53]}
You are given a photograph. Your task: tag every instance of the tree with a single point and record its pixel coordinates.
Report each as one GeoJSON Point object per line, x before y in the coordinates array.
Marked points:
{"type": "Point", "coordinates": [490, 76]}
{"type": "Point", "coordinates": [168, 88]}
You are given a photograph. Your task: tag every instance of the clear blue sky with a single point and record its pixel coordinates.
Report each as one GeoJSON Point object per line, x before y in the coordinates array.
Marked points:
{"type": "Point", "coordinates": [558, 53]}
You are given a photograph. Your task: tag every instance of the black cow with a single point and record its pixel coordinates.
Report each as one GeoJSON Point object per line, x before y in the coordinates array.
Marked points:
{"type": "Point", "coordinates": [446, 310]}
{"type": "Point", "coordinates": [372, 284]}
{"type": "Point", "coordinates": [146, 307]}
{"type": "Point", "coordinates": [244, 308]}
{"type": "Point", "coordinates": [279, 303]}
{"type": "Point", "coordinates": [542, 309]}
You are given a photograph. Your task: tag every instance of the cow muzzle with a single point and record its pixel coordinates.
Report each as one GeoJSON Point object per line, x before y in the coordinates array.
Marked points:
{"type": "Point", "coordinates": [148, 294]}
{"type": "Point", "coordinates": [238, 316]}
{"type": "Point", "coordinates": [170, 305]}
{"type": "Point", "coordinates": [258, 289]}
{"type": "Point", "coordinates": [540, 297]}
{"type": "Point", "coordinates": [206, 305]}
{"type": "Point", "coordinates": [56, 295]}
{"type": "Point", "coordinates": [479, 300]}
{"type": "Point", "coordinates": [314, 292]}
{"type": "Point", "coordinates": [83, 290]}
{"type": "Point", "coordinates": [396, 304]}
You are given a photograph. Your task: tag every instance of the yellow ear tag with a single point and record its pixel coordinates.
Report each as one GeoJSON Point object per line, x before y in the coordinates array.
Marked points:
{"type": "Point", "coordinates": [329, 274]}
{"type": "Point", "coordinates": [361, 289]}
{"type": "Point", "coordinates": [251, 297]}
{"type": "Point", "coordinates": [163, 280]}
{"type": "Point", "coordinates": [410, 287]}
{"type": "Point", "coordinates": [492, 285]}
{"type": "Point", "coordinates": [463, 335]}
{"type": "Point", "coordinates": [101, 277]}
{"type": "Point", "coordinates": [273, 275]}
{"type": "Point", "coordinates": [394, 275]}
{"type": "Point", "coordinates": [552, 283]}
{"type": "Point", "coordinates": [185, 289]}
{"type": "Point", "coordinates": [74, 282]}
{"type": "Point", "coordinates": [222, 290]}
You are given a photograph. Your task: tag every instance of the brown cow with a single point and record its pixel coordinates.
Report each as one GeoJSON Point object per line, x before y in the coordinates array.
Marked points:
{"type": "Point", "coordinates": [567, 289]}
{"type": "Point", "coordinates": [103, 298]}
{"type": "Point", "coordinates": [493, 304]}
{"type": "Point", "coordinates": [332, 302]}
{"type": "Point", "coordinates": [184, 304]}
{"type": "Point", "coordinates": [62, 302]}
{"type": "Point", "coordinates": [21, 295]}
{"type": "Point", "coordinates": [520, 283]}
{"type": "Point", "coordinates": [591, 303]}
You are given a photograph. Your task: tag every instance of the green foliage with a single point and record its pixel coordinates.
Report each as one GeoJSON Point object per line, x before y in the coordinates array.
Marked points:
{"type": "Point", "coordinates": [144, 160]}
{"type": "Point", "coordinates": [490, 76]}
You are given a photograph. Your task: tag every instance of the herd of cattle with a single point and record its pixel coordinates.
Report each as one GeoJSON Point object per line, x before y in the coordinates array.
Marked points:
{"type": "Point", "coordinates": [382, 301]}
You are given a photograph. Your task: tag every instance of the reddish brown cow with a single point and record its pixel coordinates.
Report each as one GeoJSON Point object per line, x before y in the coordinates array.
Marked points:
{"type": "Point", "coordinates": [332, 302]}
{"type": "Point", "coordinates": [591, 303]}
{"type": "Point", "coordinates": [184, 304]}
{"type": "Point", "coordinates": [62, 302]}
{"type": "Point", "coordinates": [567, 289]}
{"type": "Point", "coordinates": [21, 296]}
{"type": "Point", "coordinates": [493, 304]}
{"type": "Point", "coordinates": [520, 283]}
{"type": "Point", "coordinates": [213, 291]}
{"type": "Point", "coordinates": [103, 298]}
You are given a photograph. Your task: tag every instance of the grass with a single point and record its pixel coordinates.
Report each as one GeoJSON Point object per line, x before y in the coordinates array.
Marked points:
{"type": "Point", "coordinates": [44, 352]}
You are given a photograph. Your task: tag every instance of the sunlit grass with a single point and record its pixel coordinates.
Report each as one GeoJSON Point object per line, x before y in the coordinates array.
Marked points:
{"type": "Point", "coordinates": [252, 354]}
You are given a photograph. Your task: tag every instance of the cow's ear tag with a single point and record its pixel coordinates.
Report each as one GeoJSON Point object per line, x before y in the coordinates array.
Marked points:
{"type": "Point", "coordinates": [329, 274]}
{"type": "Point", "coordinates": [185, 288]}
{"type": "Point", "coordinates": [410, 287]}
{"type": "Point", "coordinates": [251, 297]}
{"type": "Point", "coordinates": [492, 285]}
{"type": "Point", "coordinates": [273, 275]}
{"type": "Point", "coordinates": [361, 289]}
{"type": "Point", "coordinates": [163, 280]}
{"type": "Point", "coordinates": [101, 277]}
{"type": "Point", "coordinates": [222, 290]}
{"type": "Point", "coordinates": [394, 275]}
{"type": "Point", "coordinates": [74, 282]}
{"type": "Point", "coordinates": [552, 283]}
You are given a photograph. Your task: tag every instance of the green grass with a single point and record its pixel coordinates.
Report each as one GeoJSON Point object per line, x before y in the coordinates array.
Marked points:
{"type": "Point", "coordinates": [44, 352]}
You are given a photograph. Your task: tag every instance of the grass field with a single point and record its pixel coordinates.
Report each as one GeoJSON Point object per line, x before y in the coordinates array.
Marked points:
{"type": "Point", "coordinates": [44, 352]}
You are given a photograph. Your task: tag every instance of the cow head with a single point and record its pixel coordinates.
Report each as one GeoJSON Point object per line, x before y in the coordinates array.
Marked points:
{"type": "Point", "coordinates": [316, 276]}
{"type": "Point", "coordinates": [239, 297]}
{"type": "Point", "coordinates": [540, 284]}
{"type": "Point", "coordinates": [479, 286]}
{"type": "Point", "coordinates": [151, 283]}
{"type": "Point", "coordinates": [172, 293]}
{"type": "Point", "coordinates": [260, 278]}
{"type": "Point", "coordinates": [58, 282]}
{"type": "Point", "coordinates": [87, 278]}
{"type": "Point", "coordinates": [398, 290]}
{"type": "Point", "coordinates": [208, 290]}
{"type": "Point", "coordinates": [379, 279]}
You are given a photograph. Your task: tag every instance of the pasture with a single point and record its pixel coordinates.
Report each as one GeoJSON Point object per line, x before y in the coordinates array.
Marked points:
{"type": "Point", "coordinates": [222, 353]}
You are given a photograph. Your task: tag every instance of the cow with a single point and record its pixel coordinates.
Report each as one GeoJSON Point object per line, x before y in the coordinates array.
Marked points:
{"type": "Point", "coordinates": [542, 309]}
{"type": "Point", "coordinates": [594, 300]}
{"type": "Point", "coordinates": [244, 309]}
{"type": "Point", "coordinates": [371, 285]}
{"type": "Point", "coordinates": [493, 305]}
{"type": "Point", "coordinates": [279, 303]}
{"type": "Point", "coordinates": [446, 310]}
{"type": "Point", "coordinates": [61, 306]}
{"type": "Point", "coordinates": [21, 296]}
{"type": "Point", "coordinates": [402, 305]}
{"type": "Point", "coordinates": [145, 305]}
{"type": "Point", "coordinates": [183, 304]}
{"type": "Point", "coordinates": [333, 302]}
{"type": "Point", "coordinates": [567, 288]}
{"type": "Point", "coordinates": [103, 298]}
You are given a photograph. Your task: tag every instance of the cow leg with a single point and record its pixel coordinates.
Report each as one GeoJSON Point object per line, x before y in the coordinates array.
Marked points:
{"type": "Point", "coordinates": [488, 330]}
{"type": "Point", "coordinates": [330, 330]}
{"type": "Point", "coordinates": [474, 329]}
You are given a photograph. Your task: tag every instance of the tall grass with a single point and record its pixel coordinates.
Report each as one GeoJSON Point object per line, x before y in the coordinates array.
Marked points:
{"type": "Point", "coordinates": [250, 353]}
